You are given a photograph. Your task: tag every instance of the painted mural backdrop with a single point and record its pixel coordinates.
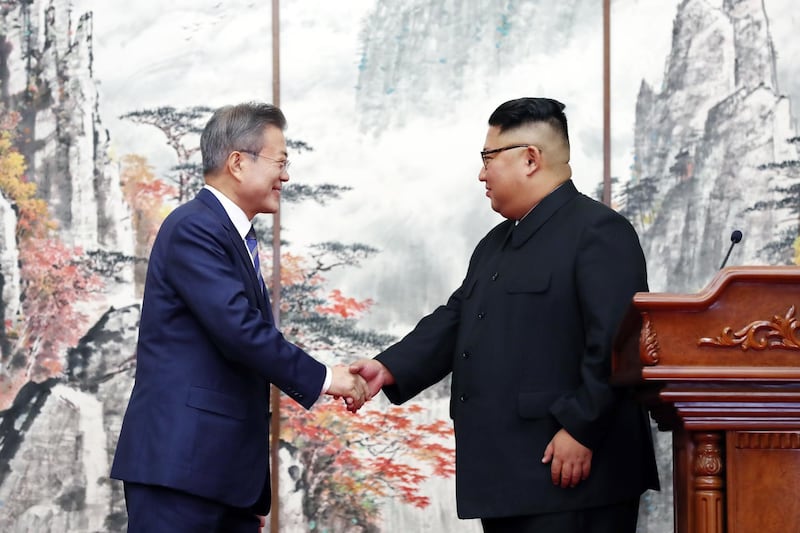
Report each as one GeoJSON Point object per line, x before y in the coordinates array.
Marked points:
{"type": "Point", "coordinates": [387, 103]}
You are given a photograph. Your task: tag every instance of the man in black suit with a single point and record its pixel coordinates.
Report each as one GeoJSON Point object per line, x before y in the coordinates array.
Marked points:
{"type": "Point", "coordinates": [543, 442]}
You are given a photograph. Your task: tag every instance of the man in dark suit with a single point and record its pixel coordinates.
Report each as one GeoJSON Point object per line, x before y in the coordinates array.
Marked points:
{"type": "Point", "coordinates": [543, 442]}
{"type": "Point", "coordinates": [193, 449]}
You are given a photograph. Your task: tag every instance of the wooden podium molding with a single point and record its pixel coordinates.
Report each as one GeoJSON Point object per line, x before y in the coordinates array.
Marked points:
{"type": "Point", "coordinates": [721, 370]}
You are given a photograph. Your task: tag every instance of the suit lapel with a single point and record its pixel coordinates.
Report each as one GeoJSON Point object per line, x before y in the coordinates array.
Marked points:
{"type": "Point", "coordinates": [245, 261]}
{"type": "Point", "coordinates": [542, 213]}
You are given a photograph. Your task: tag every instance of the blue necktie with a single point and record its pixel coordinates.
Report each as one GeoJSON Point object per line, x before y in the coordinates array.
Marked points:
{"type": "Point", "coordinates": [252, 246]}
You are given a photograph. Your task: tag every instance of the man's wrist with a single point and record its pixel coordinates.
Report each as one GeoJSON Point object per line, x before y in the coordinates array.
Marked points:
{"type": "Point", "coordinates": [326, 385]}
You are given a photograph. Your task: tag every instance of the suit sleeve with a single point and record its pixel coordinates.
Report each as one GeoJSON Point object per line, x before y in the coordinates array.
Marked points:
{"type": "Point", "coordinates": [205, 272]}
{"type": "Point", "coordinates": [425, 356]}
{"type": "Point", "coordinates": [610, 268]}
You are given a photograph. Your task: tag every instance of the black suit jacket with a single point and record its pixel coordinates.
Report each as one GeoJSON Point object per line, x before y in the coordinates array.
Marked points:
{"type": "Point", "coordinates": [528, 339]}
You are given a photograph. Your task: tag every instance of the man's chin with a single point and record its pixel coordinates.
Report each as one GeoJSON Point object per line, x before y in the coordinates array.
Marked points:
{"type": "Point", "coordinates": [270, 208]}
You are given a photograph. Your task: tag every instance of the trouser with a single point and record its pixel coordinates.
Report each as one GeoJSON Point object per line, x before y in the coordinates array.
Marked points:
{"type": "Point", "coordinates": [617, 518]}
{"type": "Point", "coordinates": [153, 509]}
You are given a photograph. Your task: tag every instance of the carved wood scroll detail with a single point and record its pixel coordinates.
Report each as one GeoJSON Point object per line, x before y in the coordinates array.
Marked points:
{"type": "Point", "coordinates": [708, 455]}
{"type": "Point", "coordinates": [648, 342]}
{"type": "Point", "coordinates": [709, 483]}
{"type": "Point", "coordinates": [780, 332]}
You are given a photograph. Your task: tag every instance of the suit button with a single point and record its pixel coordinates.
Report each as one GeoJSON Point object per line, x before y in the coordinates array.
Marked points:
{"type": "Point", "coordinates": [495, 276]}
{"type": "Point", "coordinates": [480, 316]}
{"type": "Point", "coordinates": [465, 355]}
{"type": "Point", "coordinates": [463, 398]}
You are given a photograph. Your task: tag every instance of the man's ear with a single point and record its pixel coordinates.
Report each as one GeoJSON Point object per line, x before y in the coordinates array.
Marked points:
{"type": "Point", "coordinates": [535, 154]}
{"type": "Point", "coordinates": [534, 161]}
{"type": "Point", "coordinates": [234, 164]}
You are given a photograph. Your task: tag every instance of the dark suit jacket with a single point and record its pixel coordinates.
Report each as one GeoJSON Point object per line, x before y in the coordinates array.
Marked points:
{"type": "Point", "coordinates": [528, 338]}
{"type": "Point", "coordinates": [198, 417]}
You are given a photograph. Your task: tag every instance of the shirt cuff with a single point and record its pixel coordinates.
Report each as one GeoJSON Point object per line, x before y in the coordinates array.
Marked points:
{"type": "Point", "coordinates": [328, 378]}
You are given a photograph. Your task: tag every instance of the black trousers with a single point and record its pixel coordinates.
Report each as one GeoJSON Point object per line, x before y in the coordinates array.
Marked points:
{"type": "Point", "coordinates": [153, 509]}
{"type": "Point", "coordinates": [618, 518]}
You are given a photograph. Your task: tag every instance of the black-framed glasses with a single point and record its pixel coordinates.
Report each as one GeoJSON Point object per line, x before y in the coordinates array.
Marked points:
{"type": "Point", "coordinates": [484, 153]}
{"type": "Point", "coordinates": [284, 163]}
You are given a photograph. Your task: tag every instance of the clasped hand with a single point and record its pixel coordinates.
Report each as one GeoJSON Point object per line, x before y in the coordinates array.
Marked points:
{"type": "Point", "coordinates": [350, 386]}
{"type": "Point", "coordinates": [359, 382]}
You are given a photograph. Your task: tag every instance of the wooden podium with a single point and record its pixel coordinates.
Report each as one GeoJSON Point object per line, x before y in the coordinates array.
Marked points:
{"type": "Point", "coordinates": [721, 371]}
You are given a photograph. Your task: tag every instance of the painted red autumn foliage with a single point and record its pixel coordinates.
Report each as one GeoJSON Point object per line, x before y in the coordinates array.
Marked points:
{"type": "Point", "coordinates": [350, 461]}
{"type": "Point", "coordinates": [147, 197]}
{"type": "Point", "coordinates": [293, 269]}
{"type": "Point", "coordinates": [344, 306]}
{"type": "Point", "coordinates": [54, 286]}
{"type": "Point", "coordinates": [54, 281]}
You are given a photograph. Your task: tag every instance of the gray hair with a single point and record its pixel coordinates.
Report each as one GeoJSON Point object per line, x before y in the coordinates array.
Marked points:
{"type": "Point", "coordinates": [237, 127]}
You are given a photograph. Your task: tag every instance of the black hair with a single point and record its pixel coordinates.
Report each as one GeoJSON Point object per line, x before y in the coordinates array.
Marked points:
{"type": "Point", "coordinates": [522, 111]}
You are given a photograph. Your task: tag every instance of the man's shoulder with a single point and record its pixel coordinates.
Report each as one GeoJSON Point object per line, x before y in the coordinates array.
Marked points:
{"type": "Point", "coordinates": [598, 210]}
{"type": "Point", "coordinates": [191, 216]}
{"type": "Point", "coordinates": [192, 208]}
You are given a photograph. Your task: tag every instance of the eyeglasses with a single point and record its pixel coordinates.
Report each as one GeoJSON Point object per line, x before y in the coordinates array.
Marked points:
{"type": "Point", "coordinates": [283, 163]}
{"type": "Point", "coordinates": [484, 153]}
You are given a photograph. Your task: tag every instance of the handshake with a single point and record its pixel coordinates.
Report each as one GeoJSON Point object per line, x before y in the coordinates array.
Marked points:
{"type": "Point", "coordinates": [359, 382]}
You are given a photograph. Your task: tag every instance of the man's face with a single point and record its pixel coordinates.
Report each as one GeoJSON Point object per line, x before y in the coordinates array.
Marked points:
{"type": "Point", "coordinates": [264, 174]}
{"type": "Point", "coordinates": [504, 173]}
